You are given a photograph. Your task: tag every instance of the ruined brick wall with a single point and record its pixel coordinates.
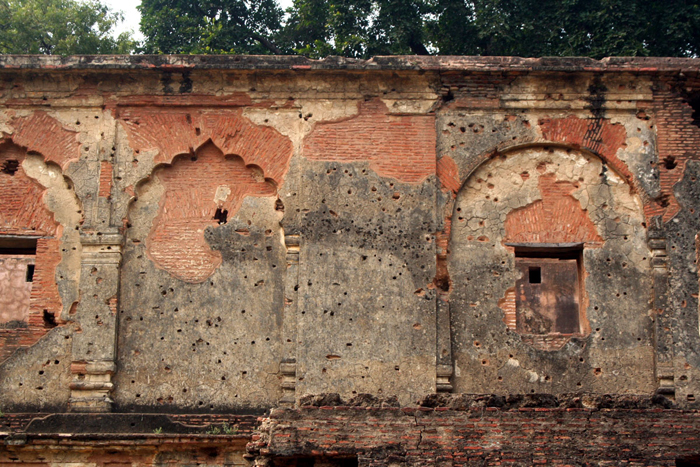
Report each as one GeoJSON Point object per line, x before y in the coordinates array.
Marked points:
{"type": "Point", "coordinates": [231, 234]}
{"type": "Point", "coordinates": [522, 436]}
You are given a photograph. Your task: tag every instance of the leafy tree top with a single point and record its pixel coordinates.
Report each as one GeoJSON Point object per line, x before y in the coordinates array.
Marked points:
{"type": "Point", "coordinates": [60, 27]}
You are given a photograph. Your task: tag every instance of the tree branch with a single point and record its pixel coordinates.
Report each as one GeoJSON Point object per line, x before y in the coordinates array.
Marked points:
{"type": "Point", "coordinates": [260, 38]}
{"type": "Point", "coordinates": [416, 46]}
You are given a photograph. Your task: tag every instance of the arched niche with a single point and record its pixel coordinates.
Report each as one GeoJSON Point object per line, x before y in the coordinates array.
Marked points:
{"type": "Point", "coordinates": [182, 199]}
{"type": "Point", "coordinates": [201, 287]}
{"type": "Point", "coordinates": [39, 245]}
{"type": "Point", "coordinates": [550, 277]}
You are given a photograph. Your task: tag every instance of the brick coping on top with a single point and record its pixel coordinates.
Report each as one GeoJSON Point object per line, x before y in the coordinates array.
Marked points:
{"type": "Point", "coordinates": [299, 63]}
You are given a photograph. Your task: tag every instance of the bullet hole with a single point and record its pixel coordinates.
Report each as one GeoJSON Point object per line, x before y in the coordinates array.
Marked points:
{"type": "Point", "coordinates": [279, 205]}
{"type": "Point", "coordinates": [221, 215]}
{"type": "Point", "coordinates": [597, 372]}
{"type": "Point", "coordinates": [10, 167]}
{"type": "Point", "coordinates": [349, 344]}
{"type": "Point", "coordinates": [690, 397]}
{"type": "Point", "coordinates": [49, 319]}
{"type": "Point", "coordinates": [670, 162]}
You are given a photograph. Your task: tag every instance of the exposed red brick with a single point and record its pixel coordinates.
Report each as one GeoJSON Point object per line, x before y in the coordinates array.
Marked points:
{"type": "Point", "coordinates": [556, 218]}
{"type": "Point", "coordinates": [678, 140]}
{"type": "Point", "coordinates": [23, 212]}
{"type": "Point", "coordinates": [594, 134]}
{"type": "Point", "coordinates": [112, 303]}
{"type": "Point", "coordinates": [448, 174]}
{"type": "Point", "coordinates": [483, 436]}
{"type": "Point", "coordinates": [105, 190]}
{"type": "Point", "coordinates": [45, 135]}
{"type": "Point", "coordinates": [507, 304]}
{"type": "Point", "coordinates": [176, 241]}
{"type": "Point", "coordinates": [45, 294]}
{"type": "Point", "coordinates": [174, 132]}
{"type": "Point", "coordinates": [396, 146]}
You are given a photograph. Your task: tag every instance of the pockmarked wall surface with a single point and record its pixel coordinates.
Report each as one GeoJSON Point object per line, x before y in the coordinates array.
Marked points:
{"type": "Point", "coordinates": [189, 244]}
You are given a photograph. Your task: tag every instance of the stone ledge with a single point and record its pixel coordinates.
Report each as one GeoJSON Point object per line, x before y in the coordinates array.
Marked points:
{"type": "Point", "coordinates": [298, 63]}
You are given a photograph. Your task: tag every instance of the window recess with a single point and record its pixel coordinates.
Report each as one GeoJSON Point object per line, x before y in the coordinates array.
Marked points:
{"type": "Point", "coordinates": [548, 291]}
{"type": "Point", "coordinates": [17, 266]}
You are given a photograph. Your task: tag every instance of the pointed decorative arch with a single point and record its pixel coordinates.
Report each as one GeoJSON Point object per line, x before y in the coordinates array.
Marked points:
{"type": "Point", "coordinates": [199, 190]}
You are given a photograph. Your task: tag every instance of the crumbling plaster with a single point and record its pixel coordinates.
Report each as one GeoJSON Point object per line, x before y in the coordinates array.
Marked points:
{"type": "Point", "coordinates": [616, 353]}
{"type": "Point", "coordinates": [352, 269]}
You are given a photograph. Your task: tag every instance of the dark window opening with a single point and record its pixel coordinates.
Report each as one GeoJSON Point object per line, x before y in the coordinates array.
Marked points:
{"type": "Point", "coordinates": [11, 245]}
{"type": "Point", "coordinates": [30, 273]}
{"type": "Point", "coordinates": [221, 215]}
{"type": "Point", "coordinates": [535, 275]}
{"type": "Point", "coordinates": [693, 461]}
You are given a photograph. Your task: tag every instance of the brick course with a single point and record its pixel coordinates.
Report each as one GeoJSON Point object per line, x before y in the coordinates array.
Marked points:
{"type": "Point", "coordinates": [396, 146]}
{"type": "Point", "coordinates": [484, 436]}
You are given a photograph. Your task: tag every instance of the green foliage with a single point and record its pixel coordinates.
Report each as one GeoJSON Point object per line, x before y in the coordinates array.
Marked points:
{"type": "Point", "coordinates": [361, 28]}
{"type": "Point", "coordinates": [225, 429]}
{"type": "Point", "coordinates": [157, 431]}
{"type": "Point", "coordinates": [211, 27]}
{"type": "Point", "coordinates": [365, 28]}
{"type": "Point", "coordinates": [357, 28]}
{"type": "Point", "coordinates": [60, 27]}
{"type": "Point", "coordinates": [593, 28]}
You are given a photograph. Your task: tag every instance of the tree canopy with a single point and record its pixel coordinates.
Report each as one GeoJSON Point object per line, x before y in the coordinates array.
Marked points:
{"type": "Point", "coordinates": [361, 28]}
{"type": "Point", "coordinates": [214, 26]}
{"type": "Point", "coordinates": [60, 27]}
{"type": "Point", "coordinates": [364, 28]}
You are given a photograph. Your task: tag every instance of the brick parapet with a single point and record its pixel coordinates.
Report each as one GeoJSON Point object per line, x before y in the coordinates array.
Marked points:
{"type": "Point", "coordinates": [484, 436]}
{"type": "Point", "coordinates": [298, 63]}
